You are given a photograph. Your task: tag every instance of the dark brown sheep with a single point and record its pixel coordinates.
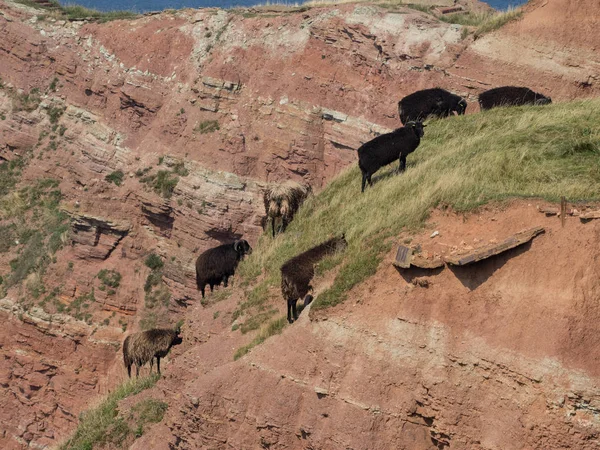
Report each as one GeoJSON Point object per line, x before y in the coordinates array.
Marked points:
{"type": "Point", "coordinates": [143, 347]}
{"type": "Point", "coordinates": [297, 273]}
{"type": "Point", "coordinates": [217, 264]}
{"type": "Point", "coordinates": [282, 201]}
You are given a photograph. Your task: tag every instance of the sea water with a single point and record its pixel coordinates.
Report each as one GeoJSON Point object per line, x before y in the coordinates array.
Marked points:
{"type": "Point", "coordinates": [142, 6]}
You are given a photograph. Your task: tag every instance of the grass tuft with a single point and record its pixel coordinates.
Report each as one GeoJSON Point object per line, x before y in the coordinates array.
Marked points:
{"type": "Point", "coordinates": [208, 126]}
{"type": "Point", "coordinates": [485, 22]}
{"type": "Point", "coordinates": [115, 177]}
{"type": "Point", "coordinates": [274, 327]}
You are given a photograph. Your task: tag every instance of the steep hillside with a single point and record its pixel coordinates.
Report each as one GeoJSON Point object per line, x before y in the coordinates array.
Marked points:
{"type": "Point", "coordinates": [121, 162]}
{"type": "Point", "coordinates": [501, 354]}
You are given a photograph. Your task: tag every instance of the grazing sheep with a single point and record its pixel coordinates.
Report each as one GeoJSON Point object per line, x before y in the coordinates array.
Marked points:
{"type": "Point", "coordinates": [283, 201]}
{"type": "Point", "coordinates": [430, 102]}
{"type": "Point", "coordinates": [217, 264]}
{"type": "Point", "coordinates": [388, 148]}
{"type": "Point", "coordinates": [298, 271]}
{"type": "Point", "coordinates": [511, 96]}
{"type": "Point", "coordinates": [143, 347]}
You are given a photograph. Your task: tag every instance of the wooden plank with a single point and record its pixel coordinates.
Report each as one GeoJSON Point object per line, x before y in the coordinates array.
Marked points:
{"type": "Point", "coordinates": [590, 215]}
{"type": "Point", "coordinates": [487, 251]}
{"type": "Point", "coordinates": [403, 257]}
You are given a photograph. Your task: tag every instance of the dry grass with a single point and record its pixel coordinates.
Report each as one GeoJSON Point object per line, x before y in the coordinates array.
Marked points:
{"type": "Point", "coordinates": [484, 22]}
{"type": "Point", "coordinates": [463, 162]}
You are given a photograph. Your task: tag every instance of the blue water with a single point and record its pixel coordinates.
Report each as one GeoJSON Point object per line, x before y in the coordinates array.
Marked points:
{"type": "Point", "coordinates": [157, 5]}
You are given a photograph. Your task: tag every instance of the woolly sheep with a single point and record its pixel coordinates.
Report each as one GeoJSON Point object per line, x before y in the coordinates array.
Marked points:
{"type": "Point", "coordinates": [388, 148]}
{"type": "Point", "coordinates": [143, 347]}
{"type": "Point", "coordinates": [298, 271]}
{"type": "Point", "coordinates": [217, 264]}
{"type": "Point", "coordinates": [511, 96]}
{"type": "Point", "coordinates": [430, 102]}
{"type": "Point", "coordinates": [283, 200]}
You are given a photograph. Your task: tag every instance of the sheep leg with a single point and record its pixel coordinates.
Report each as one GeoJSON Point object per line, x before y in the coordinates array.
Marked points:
{"type": "Point", "coordinates": [137, 370]}
{"type": "Point", "coordinates": [273, 225]}
{"type": "Point", "coordinates": [402, 165]}
{"type": "Point", "coordinates": [151, 364]}
{"type": "Point", "coordinates": [158, 364]}
{"type": "Point", "coordinates": [202, 290]}
{"type": "Point", "coordinates": [289, 311]}
{"type": "Point", "coordinates": [294, 310]}
{"type": "Point", "coordinates": [129, 370]}
{"type": "Point", "coordinates": [225, 278]}
{"type": "Point", "coordinates": [364, 181]}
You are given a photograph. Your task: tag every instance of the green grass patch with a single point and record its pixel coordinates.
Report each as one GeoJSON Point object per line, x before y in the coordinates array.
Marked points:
{"type": "Point", "coordinates": [255, 322]}
{"type": "Point", "coordinates": [154, 262]}
{"type": "Point", "coordinates": [208, 126]}
{"type": "Point", "coordinates": [110, 278]}
{"type": "Point", "coordinates": [275, 326]}
{"type": "Point", "coordinates": [115, 177]}
{"type": "Point", "coordinates": [163, 182]}
{"type": "Point", "coordinates": [102, 426]}
{"type": "Point", "coordinates": [463, 162]}
{"type": "Point", "coordinates": [55, 113]}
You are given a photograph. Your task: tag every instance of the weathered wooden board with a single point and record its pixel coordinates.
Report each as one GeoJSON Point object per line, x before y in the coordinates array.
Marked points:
{"type": "Point", "coordinates": [590, 215]}
{"type": "Point", "coordinates": [403, 257]}
{"type": "Point", "coordinates": [487, 251]}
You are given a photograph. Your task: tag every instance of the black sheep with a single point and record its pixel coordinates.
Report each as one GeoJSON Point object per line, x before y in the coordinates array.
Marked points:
{"type": "Point", "coordinates": [217, 264]}
{"type": "Point", "coordinates": [387, 148]}
{"type": "Point", "coordinates": [430, 102]}
{"type": "Point", "coordinates": [511, 96]}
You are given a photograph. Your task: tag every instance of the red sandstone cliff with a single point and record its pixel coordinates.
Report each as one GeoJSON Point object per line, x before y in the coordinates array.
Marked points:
{"type": "Point", "coordinates": [293, 93]}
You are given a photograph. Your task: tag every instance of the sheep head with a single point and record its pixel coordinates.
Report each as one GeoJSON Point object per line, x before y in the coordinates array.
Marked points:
{"type": "Point", "coordinates": [242, 248]}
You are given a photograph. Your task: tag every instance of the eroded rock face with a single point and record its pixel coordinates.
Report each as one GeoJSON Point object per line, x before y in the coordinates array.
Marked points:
{"type": "Point", "coordinates": [49, 363]}
{"type": "Point", "coordinates": [224, 101]}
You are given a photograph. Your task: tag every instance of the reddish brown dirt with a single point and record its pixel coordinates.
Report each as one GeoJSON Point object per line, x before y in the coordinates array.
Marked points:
{"type": "Point", "coordinates": [499, 355]}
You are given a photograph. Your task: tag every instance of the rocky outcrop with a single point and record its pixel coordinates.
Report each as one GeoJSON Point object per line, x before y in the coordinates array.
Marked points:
{"type": "Point", "coordinates": [96, 237]}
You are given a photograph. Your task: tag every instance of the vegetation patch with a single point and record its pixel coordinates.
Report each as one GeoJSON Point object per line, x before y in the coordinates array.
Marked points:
{"type": "Point", "coordinates": [102, 426]}
{"type": "Point", "coordinates": [163, 182]}
{"type": "Point", "coordinates": [208, 126]}
{"type": "Point", "coordinates": [158, 295]}
{"type": "Point", "coordinates": [110, 279]}
{"type": "Point", "coordinates": [463, 162]}
{"type": "Point", "coordinates": [25, 101]}
{"type": "Point", "coordinates": [34, 223]}
{"type": "Point", "coordinates": [273, 327]}
{"type": "Point", "coordinates": [115, 177]}
{"type": "Point", "coordinates": [76, 12]}
{"type": "Point", "coordinates": [485, 22]}
{"type": "Point", "coordinates": [55, 113]}
{"type": "Point", "coordinates": [79, 308]}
